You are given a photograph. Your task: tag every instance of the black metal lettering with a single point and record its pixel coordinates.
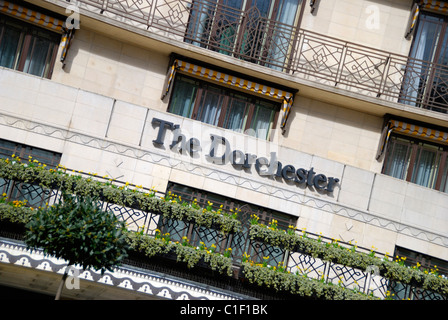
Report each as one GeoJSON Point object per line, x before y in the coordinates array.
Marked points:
{"type": "Point", "coordinates": [163, 125]}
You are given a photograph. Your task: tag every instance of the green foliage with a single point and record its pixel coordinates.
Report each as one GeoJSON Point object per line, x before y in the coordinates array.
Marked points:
{"type": "Point", "coordinates": [161, 244]}
{"type": "Point", "coordinates": [282, 281]}
{"type": "Point", "coordinates": [336, 253]}
{"type": "Point", "coordinates": [73, 183]}
{"type": "Point", "coordinates": [77, 230]}
{"type": "Point", "coordinates": [14, 211]}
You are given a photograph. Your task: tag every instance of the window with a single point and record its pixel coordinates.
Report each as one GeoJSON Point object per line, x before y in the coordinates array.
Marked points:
{"type": "Point", "coordinates": [417, 161]}
{"type": "Point", "coordinates": [254, 30]}
{"type": "Point", "coordinates": [426, 78]}
{"type": "Point", "coordinates": [27, 48]}
{"type": "Point", "coordinates": [223, 107]}
{"type": "Point", "coordinates": [238, 242]}
{"type": "Point", "coordinates": [425, 262]}
{"type": "Point", "coordinates": [34, 195]}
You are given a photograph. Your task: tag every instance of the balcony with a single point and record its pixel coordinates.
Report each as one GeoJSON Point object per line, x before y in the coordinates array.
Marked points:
{"type": "Point", "coordinates": [205, 244]}
{"type": "Point", "coordinates": [250, 36]}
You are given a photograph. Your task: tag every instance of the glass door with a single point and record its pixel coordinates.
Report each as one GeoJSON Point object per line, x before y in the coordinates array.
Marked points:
{"type": "Point", "coordinates": [260, 31]}
{"type": "Point", "coordinates": [426, 77]}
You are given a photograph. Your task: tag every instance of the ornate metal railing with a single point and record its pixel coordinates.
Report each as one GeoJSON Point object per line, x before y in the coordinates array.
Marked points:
{"type": "Point", "coordinates": [370, 280]}
{"type": "Point", "coordinates": [249, 36]}
{"type": "Point", "coordinates": [44, 187]}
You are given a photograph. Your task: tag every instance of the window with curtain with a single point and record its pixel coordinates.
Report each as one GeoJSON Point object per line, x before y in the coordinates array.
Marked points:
{"type": "Point", "coordinates": [34, 195]}
{"type": "Point", "coordinates": [426, 78]}
{"type": "Point", "coordinates": [261, 31]}
{"type": "Point", "coordinates": [27, 48]}
{"type": "Point", "coordinates": [223, 107]}
{"type": "Point", "coordinates": [417, 161]}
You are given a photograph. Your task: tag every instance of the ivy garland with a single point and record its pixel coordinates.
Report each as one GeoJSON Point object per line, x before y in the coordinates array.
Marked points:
{"type": "Point", "coordinates": [335, 253]}
{"type": "Point", "coordinates": [303, 286]}
{"type": "Point", "coordinates": [150, 246]}
{"type": "Point", "coordinates": [14, 213]}
{"type": "Point", "coordinates": [169, 206]}
{"type": "Point", "coordinates": [184, 252]}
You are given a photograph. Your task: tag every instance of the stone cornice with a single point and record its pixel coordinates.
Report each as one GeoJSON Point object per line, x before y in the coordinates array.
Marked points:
{"type": "Point", "coordinates": [126, 277]}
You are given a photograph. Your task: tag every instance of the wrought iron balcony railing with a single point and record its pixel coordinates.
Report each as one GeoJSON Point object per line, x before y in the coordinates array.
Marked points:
{"type": "Point", "coordinates": [250, 36]}
{"type": "Point", "coordinates": [172, 221]}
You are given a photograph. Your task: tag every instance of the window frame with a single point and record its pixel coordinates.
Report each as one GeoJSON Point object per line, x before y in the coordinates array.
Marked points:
{"type": "Point", "coordinates": [28, 38]}
{"type": "Point", "coordinates": [426, 261]}
{"type": "Point", "coordinates": [239, 242]}
{"type": "Point", "coordinates": [34, 194]}
{"type": "Point", "coordinates": [429, 73]}
{"type": "Point", "coordinates": [209, 20]}
{"type": "Point", "coordinates": [414, 147]}
{"type": "Point", "coordinates": [227, 96]}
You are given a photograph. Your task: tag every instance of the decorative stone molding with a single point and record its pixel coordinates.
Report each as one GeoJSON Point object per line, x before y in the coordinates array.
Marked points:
{"type": "Point", "coordinates": [156, 157]}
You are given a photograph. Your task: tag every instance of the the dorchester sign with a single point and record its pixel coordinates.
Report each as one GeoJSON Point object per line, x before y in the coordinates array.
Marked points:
{"type": "Point", "coordinates": [220, 152]}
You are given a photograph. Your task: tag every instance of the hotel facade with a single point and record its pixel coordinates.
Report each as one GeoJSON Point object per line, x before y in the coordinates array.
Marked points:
{"type": "Point", "coordinates": [328, 116]}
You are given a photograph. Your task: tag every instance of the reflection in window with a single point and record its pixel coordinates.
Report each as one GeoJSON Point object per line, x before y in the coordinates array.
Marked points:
{"type": "Point", "coordinates": [223, 107]}
{"type": "Point", "coordinates": [426, 79]}
{"type": "Point", "coordinates": [254, 30]}
{"type": "Point", "coordinates": [417, 161]}
{"type": "Point", "coordinates": [27, 48]}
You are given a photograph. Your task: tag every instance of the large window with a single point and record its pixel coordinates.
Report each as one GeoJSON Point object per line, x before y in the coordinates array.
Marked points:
{"type": "Point", "coordinates": [259, 30]}
{"type": "Point", "coordinates": [426, 78]}
{"type": "Point", "coordinates": [417, 161]}
{"type": "Point", "coordinates": [223, 107]}
{"type": "Point", "coordinates": [34, 195]}
{"type": "Point", "coordinates": [27, 48]}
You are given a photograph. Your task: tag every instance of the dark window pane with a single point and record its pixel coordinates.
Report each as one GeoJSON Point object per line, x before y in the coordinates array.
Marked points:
{"type": "Point", "coordinates": [183, 97]}
{"type": "Point", "coordinates": [34, 195]}
{"type": "Point", "coordinates": [210, 106]}
{"type": "Point", "coordinates": [223, 107]}
{"type": "Point", "coordinates": [10, 39]}
{"type": "Point", "coordinates": [398, 156]}
{"type": "Point", "coordinates": [27, 48]}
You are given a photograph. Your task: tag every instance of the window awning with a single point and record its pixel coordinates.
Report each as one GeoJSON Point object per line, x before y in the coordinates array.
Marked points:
{"type": "Point", "coordinates": [434, 6]}
{"type": "Point", "coordinates": [412, 21]}
{"type": "Point", "coordinates": [440, 7]}
{"type": "Point", "coordinates": [189, 68]}
{"type": "Point", "coordinates": [65, 43]}
{"type": "Point", "coordinates": [31, 16]}
{"type": "Point", "coordinates": [41, 20]}
{"type": "Point", "coordinates": [409, 129]}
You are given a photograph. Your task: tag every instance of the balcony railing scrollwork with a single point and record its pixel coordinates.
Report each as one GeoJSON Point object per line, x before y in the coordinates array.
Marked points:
{"type": "Point", "coordinates": [163, 223]}
{"type": "Point", "coordinates": [250, 36]}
